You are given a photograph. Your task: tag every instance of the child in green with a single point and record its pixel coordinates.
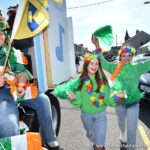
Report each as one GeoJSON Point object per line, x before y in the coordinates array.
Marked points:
{"type": "Point", "coordinates": [126, 75]}
{"type": "Point", "coordinates": [91, 93]}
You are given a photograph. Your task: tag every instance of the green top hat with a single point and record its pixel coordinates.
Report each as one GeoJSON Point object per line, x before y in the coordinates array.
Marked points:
{"type": "Point", "coordinates": [2, 25]}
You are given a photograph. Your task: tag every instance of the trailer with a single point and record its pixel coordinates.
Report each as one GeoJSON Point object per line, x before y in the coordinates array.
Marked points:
{"type": "Point", "coordinates": [51, 59]}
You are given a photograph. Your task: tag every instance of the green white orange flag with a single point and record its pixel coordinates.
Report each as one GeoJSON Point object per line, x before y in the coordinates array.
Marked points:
{"type": "Point", "coordinates": [28, 141]}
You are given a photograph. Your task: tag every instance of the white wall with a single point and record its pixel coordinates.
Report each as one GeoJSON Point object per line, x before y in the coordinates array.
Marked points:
{"type": "Point", "coordinates": [61, 56]}
{"type": "Point", "coordinates": [71, 48]}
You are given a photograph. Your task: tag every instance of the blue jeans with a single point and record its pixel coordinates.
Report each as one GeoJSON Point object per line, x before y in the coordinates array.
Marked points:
{"type": "Point", "coordinates": [40, 104]}
{"type": "Point", "coordinates": [131, 113]}
{"type": "Point", "coordinates": [8, 115]}
{"type": "Point", "coordinates": [95, 126]}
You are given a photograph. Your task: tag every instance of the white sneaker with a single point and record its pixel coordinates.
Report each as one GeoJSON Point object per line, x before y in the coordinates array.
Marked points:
{"type": "Point", "coordinates": [123, 137]}
{"type": "Point", "coordinates": [91, 146]}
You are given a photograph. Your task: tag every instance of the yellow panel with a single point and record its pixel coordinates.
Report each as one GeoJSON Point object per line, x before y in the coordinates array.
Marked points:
{"type": "Point", "coordinates": [38, 17]}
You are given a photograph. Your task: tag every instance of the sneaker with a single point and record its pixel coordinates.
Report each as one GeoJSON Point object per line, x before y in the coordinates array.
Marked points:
{"type": "Point", "coordinates": [123, 138]}
{"type": "Point", "coordinates": [55, 148]}
{"type": "Point", "coordinates": [91, 146]}
{"type": "Point", "coordinates": [122, 146]}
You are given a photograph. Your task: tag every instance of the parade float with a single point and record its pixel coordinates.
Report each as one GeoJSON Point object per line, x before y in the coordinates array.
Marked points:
{"type": "Point", "coordinates": [51, 58]}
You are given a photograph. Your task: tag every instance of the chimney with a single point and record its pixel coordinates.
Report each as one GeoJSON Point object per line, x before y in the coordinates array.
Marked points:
{"type": "Point", "coordinates": [137, 31]}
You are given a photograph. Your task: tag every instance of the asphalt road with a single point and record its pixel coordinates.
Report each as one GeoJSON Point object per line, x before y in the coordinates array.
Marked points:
{"type": "Point", "coordinates": [72, 135]}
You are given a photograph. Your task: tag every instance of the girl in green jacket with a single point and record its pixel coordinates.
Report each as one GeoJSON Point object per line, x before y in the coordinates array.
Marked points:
{"type": "Point", "coordinates": [125, 77]}
{"type": "Point", "coordinates": [91, 93]}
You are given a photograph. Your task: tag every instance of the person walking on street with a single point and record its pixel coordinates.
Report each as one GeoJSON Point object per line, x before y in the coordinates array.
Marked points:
{"type": "Point", "coordinates": [125, 77]}
{"type": "Point", "coordinates": [90, 92]}
{"type": "Point", "coordinates": [77, 61]}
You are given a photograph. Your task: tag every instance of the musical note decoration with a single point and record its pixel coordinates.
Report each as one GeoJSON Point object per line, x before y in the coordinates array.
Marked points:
{"type": "Point", "coordinates": [59, 49]}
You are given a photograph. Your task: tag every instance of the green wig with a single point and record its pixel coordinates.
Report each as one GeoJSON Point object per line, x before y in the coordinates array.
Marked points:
{"type": "Point", "coordinates": [105, 35]}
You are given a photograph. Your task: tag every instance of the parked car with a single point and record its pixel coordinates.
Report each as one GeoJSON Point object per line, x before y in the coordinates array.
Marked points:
{"type": "Point", "coordinates": [144, 82]}
{"type": "Point", "coordinates": [141, 57]}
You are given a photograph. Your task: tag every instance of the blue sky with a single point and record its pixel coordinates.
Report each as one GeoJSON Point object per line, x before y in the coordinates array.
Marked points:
{"type": "Point", "coordinates": [4, 4]}
{"type": "Point", "coordinates": [121, 14]}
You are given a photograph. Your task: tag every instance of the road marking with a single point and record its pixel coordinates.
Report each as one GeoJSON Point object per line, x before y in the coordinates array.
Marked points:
{"type": "Point", "coordinates": [144, 136]}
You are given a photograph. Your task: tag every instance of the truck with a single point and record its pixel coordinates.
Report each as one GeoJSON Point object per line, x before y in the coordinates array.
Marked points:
{"type": "Point", "coordinates": [51, 59]}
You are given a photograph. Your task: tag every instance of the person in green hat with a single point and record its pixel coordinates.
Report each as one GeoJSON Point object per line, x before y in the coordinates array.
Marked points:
{"type": "Point", "coordinates": [16, 74]}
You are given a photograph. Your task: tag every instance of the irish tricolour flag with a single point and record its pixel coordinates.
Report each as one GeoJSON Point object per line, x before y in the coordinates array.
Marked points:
{"type": "Point", "coordinates": [20, 57]}
{"type": "Point", "coordinates": [28, 141]}
{"type": "Point", "coordinates": [31, 92]}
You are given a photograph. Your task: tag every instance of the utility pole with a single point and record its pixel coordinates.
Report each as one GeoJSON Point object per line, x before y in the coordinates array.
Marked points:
{"type": "Point", "coordinates": [116, 41]}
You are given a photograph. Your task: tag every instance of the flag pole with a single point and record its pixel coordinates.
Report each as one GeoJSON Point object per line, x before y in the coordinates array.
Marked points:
{"type": "Point", "coordinates": [14, 30]}
{"type": "Point", "coordinates": [17, 23]}
{"type": "Point", "coordinates": [7, 55]}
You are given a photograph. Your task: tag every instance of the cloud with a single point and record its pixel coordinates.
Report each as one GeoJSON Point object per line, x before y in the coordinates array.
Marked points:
{"type": "Point", "coordinates": [121, 14]}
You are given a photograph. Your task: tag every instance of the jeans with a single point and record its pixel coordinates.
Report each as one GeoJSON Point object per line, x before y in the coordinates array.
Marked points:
{"type": "Point", "coordinates": [131, 113]}
{"type": "Point", "coordinates": [40, 104]}
{"type": "Point", "coordinates": [95, 126]}
{"type": "Point", "coordinates": [8, 115]}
